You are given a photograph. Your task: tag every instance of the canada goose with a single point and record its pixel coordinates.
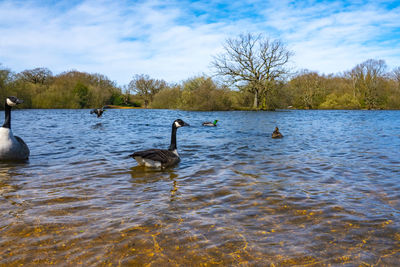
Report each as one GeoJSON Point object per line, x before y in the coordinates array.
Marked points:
{"type": "Point", "coordinates": [276, 133]}
{"type": "Point", "coordinates": [161, 158]}
{"type": "Point", "coordinates": [97, 111]}
{"type": "Point", "coordinates": [211, 124]}
{"type": "Point", "coordinates": [11, 147]}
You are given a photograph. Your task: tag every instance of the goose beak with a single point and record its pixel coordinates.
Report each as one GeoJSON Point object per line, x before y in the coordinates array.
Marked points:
{"type": "Point", "coordinates": [186, 124]}
{"type": "Point", "coordinates": [19, 101]}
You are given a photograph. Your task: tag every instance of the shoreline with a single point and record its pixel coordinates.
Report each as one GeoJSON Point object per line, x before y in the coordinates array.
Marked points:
{"type": "Point", "coordinates": [121, 107]}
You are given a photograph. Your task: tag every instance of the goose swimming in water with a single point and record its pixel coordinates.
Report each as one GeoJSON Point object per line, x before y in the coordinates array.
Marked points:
{"type": "Point", "coordinates": [11, 147]}
{"type": "Point", "coordinates": [276, 133]}
{"type": "Point", "coordinates": [161, 158]}
{"type": "Point", "coordinates": [97, 111]}
{"type": "Point", "coordinates": [209, 123]}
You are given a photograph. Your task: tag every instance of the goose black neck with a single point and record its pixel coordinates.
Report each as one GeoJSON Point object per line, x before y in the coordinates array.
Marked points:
{"type": "Point", "coordinates": [172, 147]}
{"type": "Point", "coordinates": [7, 121]}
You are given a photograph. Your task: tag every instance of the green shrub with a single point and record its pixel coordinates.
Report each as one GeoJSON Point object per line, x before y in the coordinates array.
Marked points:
{"type": "Point", "coordinates": [167, 98]}
{"type": "Point", "coordinates": [345, 101]}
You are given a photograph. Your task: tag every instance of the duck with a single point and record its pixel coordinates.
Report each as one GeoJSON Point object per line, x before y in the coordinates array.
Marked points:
{"type": "Point", "coordinates": [210, 124]}
{"type": "Point", "coordinates": [11, 147]}
{"type": "Point", "coordinates": [161, 158]}
{"type": "Point", "coordinates": [276, 133]}
{"type": "Point", "coordinates": [98, 111]}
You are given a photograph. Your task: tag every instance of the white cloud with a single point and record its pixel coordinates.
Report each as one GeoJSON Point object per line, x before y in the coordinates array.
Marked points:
{"type": "Point", "coordinates": [329, 39]}
{"type": "Point", "coordinates": [111, 39]}
{"type": "Point", "coordinates": [166, 40]}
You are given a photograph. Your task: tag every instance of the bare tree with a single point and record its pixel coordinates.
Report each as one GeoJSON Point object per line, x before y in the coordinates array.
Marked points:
{"type": "Point", "coordinates": [366, 78]}
{"type": "Point", "coordinates": [309, 87]}
{"type": "Point", "coordinates": [5, 77]}
{"type": "Point", "coordinates": [36, 76]}
{"type": "Point", "coordinates": [396, 75]}
{"type": "Point", "coordinates": [146, 87]}
{"type": "Point", "coordinates": [254, 63]}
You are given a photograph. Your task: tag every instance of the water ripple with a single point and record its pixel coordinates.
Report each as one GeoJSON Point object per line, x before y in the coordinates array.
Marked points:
{"type": "Point", "coordinates": [325, 194]}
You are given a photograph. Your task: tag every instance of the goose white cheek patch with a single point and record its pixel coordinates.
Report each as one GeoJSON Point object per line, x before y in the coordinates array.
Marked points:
{"type": "Point", "coordinates": [10, 103]}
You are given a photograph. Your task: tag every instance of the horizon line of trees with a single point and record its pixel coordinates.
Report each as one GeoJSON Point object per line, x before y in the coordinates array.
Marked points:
{"type": "Point", "coordinates": [252, 75]}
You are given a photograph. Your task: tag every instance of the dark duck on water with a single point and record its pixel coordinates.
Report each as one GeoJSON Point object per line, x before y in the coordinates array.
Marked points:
{"type": "Point", "coordinates": [276, 133]}
{"type": "Point", "coordinates": [161, 158]}
{"type": "Point", "coordinates": [11, 147]}
{"type": "Point", "coordinates": [98, 111]}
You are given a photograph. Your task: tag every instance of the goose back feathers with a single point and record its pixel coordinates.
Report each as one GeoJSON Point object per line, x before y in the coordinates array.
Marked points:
{"type": "Point", "coordinates": [158, 158]}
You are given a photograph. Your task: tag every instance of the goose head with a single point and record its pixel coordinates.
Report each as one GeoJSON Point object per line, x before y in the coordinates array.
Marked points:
{"type": "Point", "coordinates": [180, 123]}
{"type": "Point", "coordinates": [12, 101]}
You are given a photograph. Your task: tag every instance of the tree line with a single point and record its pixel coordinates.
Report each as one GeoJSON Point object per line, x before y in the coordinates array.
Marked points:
{"type": "Point", "coordinates": [251, 73]}
{"type": "Point", "coordinates": [39, 88]}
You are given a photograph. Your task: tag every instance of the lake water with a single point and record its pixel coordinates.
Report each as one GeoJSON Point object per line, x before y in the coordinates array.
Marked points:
{"type": "Point", "coordinates": [327, 193]}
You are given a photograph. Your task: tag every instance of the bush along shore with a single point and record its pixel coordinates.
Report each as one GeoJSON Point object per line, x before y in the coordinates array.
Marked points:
{"type": "Point", "coordinates": [369, 85]}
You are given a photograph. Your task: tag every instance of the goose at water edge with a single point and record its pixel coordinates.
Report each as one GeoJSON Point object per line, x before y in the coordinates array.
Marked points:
{"type": "Point", "coordinates": [161, 158]}
{"type": "Point", "coordinates": [98, 111]}
{"type": "Point", "coordinates": [209, 123]}
{"type": "Point", "coordinates": [276, 133]}
{"type": "Point", "coordinates": [11, 147]}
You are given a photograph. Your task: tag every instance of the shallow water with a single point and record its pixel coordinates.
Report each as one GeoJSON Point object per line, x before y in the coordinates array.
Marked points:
{"type": "Point", "coordinates": [327, 193]}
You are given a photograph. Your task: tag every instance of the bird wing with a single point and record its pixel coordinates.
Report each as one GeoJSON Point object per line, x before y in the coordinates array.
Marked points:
{"type": "Point", "coordinates": [161, 155]}
{"type": "Point", "coordinates": [25, 148]}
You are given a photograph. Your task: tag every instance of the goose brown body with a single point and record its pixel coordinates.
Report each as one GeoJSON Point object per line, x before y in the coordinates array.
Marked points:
{"type": "Point", "coordinates": [161, 158]}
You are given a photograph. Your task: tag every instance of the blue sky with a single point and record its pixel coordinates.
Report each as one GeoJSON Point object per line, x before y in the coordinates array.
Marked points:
{"type": "Point", "coordinates": [175, 40]}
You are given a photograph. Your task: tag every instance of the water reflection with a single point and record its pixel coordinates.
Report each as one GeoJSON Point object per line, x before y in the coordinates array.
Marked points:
{"type": "Point", "coordinates": [98, 126]}
{"type": "Point", "coordinates": [144, 175]}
